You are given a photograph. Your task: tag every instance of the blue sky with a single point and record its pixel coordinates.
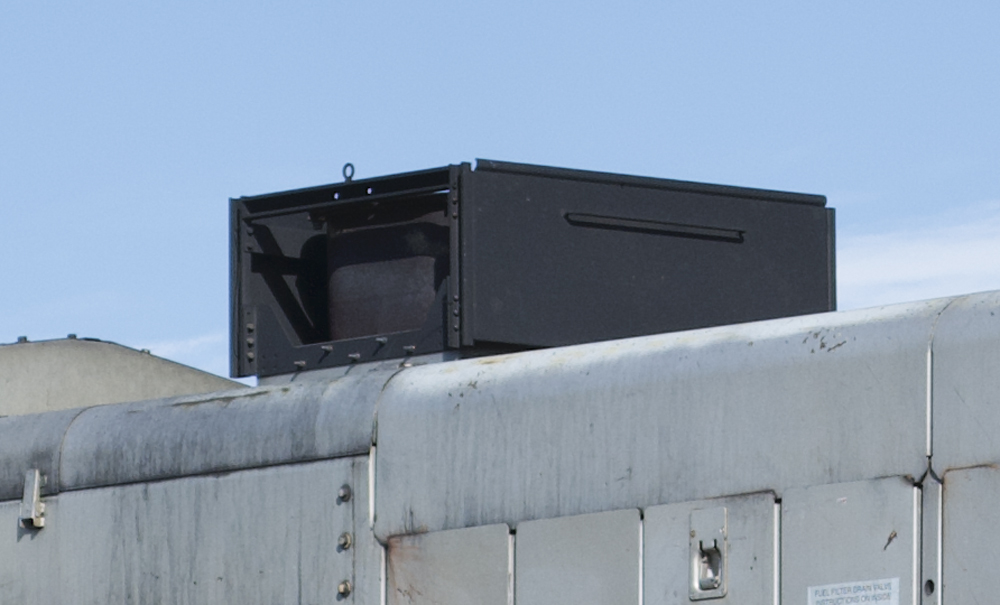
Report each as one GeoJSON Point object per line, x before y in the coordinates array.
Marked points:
{"type": "Point", "coordinates": [126, 126]}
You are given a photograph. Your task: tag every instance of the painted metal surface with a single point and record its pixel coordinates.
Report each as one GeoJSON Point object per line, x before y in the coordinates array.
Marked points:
{"type": "Point", "coordinates": [836, 540]}
{"type": "Point", "coordinates": [367, 554]}
{"type": "Point", "coordinates": [655, 420]}
{"type": "Point", "coordinates": [145, 499]}
{"type": "Point", "coordinates": [162, 439]}
{"type": "Point", "coordinates": [966, 383]}
{"type": "Point", "coordinates": [971, 532]}
{"type": "Point", "coordinates": [454, 567]}
{"type": "Point", "coordinates": [581, 559]}
{"type": "Point", "coordinates": [68, 373]}
{"type": "Point", "coordinates": [261, 536]}
{"type": "Point", "coordinates": [931, 541]}
{"type": "Point", "coordinates": [28, 442]}
{"type": "Point", "coordinates": [750, 566]}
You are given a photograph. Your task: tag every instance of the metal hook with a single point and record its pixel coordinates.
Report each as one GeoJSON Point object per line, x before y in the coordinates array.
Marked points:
{"type": "Point", "coordinates": [348, 172]}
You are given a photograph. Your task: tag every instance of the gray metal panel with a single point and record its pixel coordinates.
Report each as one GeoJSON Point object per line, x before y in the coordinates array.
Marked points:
{"type": "Point", "coordinates": [454, 567]}
{"type": "Point", "coordinates": [750, 566]}
{"type": "Point", "coordinates": [142, 441]}
{"type": "Point", "coordinates": [367, 552]}
{"type": "Point", "coordinates": [262, 536]}
{"type": "Point", "coordinates": [654, 420]}
{"type": "Point", "coordinates": [29, 563]}
{"type": "Point", "coordinates": [966, 402]}
{"type": "Point", "coordinates": [28, 442]}
{"type": "Point", "coordinates": [971, 533]}
{"type": "Point", "coordinates": [68, 373]}
{"type": "Point", "coordinates": [931, 556]}
{"type": "Point", "coordinates": [849, 534]}
{"type": "Point", "coordinates": [583, 559]}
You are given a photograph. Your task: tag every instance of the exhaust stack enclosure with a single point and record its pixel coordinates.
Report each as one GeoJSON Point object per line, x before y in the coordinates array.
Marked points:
{"type": "Point", "coordinates": [510, 257]}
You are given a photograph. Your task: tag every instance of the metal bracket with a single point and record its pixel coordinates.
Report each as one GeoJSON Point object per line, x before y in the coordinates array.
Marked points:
{"type": "Point", "coordinates": [32, 508]}
{"type": "Point", "coordinates": [708, 553]}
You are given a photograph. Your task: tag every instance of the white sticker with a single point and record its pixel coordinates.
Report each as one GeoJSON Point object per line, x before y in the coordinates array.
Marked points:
{"type": "Point", "coordinates": [882, 592]}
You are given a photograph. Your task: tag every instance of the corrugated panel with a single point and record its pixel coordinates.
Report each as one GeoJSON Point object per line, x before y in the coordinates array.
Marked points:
{"type": "Point", "coordinates": [262, 536]}
{"type": "Point", "coordinates": [582, 559]}
{"type": "Point", "coordinates": [660, 419]}
{"type": "Point", "coordinates": [966, 402]}
{"type": "Point", "coordinates": [455, 567]}
{"type": "Point", "coordinates": [854, 540]}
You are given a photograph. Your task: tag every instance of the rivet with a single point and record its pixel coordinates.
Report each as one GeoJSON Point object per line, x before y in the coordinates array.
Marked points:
{"type": "Point", "coordinates": [354, 356]}
{"type": "Point", "coordinates": [250, 327]}
{"type": "Point", "coordinates": [250, 341]}
{"type": "Point", "coordinates": [344, 494]}
{"type": "Point", "coordinates": [250, 355]}
{"type": "Point", "coordinates": [345, 541]}
{"type": "Point", "coordinates": [344, 588]}
{"type": "Point", "coordinates": [300, 364]}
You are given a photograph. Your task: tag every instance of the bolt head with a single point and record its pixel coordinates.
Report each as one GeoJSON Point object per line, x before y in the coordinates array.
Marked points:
{"type": "Point", "coordinates": [344, 588]}
{"type": "Point", "coordinates": [344, 493]}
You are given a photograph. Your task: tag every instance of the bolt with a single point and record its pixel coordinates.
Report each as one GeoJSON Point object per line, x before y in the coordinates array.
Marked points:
{"type": "Point", "coordinates": [345, 541]}
{"type": "Point", "coordinates": [300, 364]}
{"type": "Point", "coordinates": [344, 495]}
{"type": "Point", "coordinates": [250, 327]}
{"type": "Point", "coordinates": [344, 588]}
{"type": "Point", "coordinates": [250, 355]}
{"type": "Point", "coordinates": [381, 340]}
{"type": "Point", "coordinates": [354, 356]}
{"type": "Point", "coordinates": [410, 349]}
{"type": "Point", "coordinates": [327, 348]}
{"type": "Point", "coordinates": [250, 341]}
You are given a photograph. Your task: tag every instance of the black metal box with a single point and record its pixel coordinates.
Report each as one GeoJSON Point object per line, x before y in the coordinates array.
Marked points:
{"type": "Point", "coordinates": [509, 257]}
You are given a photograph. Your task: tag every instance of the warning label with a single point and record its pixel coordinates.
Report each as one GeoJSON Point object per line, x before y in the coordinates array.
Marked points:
{"type": "Point", "coordinates": [882, 592]}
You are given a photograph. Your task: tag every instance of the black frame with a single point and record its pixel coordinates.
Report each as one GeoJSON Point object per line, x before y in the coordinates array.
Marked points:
{"type": "Point", "coordinates": [537, 257]}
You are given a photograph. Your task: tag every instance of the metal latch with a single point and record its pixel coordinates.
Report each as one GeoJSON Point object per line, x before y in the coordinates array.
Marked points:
{"type": "Point", "coordinates": [708, 553]}
{"type": "Point", "coordinates": [32, 508]}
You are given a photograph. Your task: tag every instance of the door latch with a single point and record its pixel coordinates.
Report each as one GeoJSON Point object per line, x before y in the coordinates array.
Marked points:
{"type": "Point", "coordinates": [32, 508]}
{"type": "Point", "coordinates": [708, 553]}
